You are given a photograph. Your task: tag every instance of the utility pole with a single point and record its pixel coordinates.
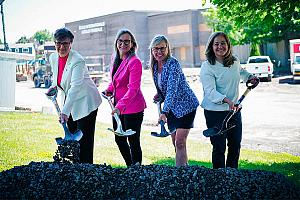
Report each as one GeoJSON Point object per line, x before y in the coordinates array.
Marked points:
{"type": "Point", "coordinates": [6, 48]}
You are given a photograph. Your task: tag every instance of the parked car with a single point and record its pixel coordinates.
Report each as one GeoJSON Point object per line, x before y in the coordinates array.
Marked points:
{"type": "Point", "coordinates": [260, 66]}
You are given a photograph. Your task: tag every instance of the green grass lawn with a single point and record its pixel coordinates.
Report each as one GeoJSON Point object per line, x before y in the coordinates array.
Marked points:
{"type": "Point", "coordinates": [26, 137]}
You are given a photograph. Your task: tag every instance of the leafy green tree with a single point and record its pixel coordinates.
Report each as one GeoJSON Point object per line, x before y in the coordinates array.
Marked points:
{"type": "Point", "coordinates": [255, 21]}
{"type": "Point", "coordinates": [23, 40]}
{"type": "Point", "coordinates": [254, 50]}
{"type": "Point", "coordinates": [215, 20]}
{"type": "Point", "coordinates": [43, 36]}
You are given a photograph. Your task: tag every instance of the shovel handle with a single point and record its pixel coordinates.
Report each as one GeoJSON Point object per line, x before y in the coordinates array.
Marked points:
{"type": "Point", "coordinates": [117, 118]}
{"type": "Point", "coordinates": [158, 104]}
{"type": "Point", "coordinates": [249, 86]}
{"type": "Point", "coordinates": [242, 97]}
{"type": "Point", "coordinates": [56, 106]}
{"type": "Point", "coordinates": [111, 104]}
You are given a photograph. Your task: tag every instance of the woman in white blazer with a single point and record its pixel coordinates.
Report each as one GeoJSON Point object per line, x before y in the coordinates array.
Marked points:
{"type": "Point", "coordinates": [80, 96]}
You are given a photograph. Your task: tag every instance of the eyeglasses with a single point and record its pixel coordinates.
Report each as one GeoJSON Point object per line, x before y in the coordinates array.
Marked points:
{"type": "Point", "coordinates": [125, 42]}
{"type": "Point", "coordinates": [161, 49]}
{"type": "Point", "coordinates": [223, 43]}
{"type": "Point", "coordinates": [65, 44]}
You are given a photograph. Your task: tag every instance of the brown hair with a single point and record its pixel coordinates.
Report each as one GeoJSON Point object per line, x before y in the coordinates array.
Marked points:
{"type": "Point", "coordinates": [131, 52]}
{"type": "Point", "coordinates": [209, 52]}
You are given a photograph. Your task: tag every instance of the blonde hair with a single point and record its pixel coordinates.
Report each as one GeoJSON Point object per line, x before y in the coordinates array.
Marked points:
{"type": "Point", "coordinates": [155, 41]}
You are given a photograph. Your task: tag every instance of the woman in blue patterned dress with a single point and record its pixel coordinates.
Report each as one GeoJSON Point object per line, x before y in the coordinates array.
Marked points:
{"type": "Point", "coordinates": [180, 102]}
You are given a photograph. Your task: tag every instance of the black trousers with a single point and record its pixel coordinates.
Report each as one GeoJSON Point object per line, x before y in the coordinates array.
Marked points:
{"type": "Point", "coordinates": [233, 137]}
{"type": "Point", "coordinates": [87, 126]}
{"type": "Point", "coordinates": [130, 146]}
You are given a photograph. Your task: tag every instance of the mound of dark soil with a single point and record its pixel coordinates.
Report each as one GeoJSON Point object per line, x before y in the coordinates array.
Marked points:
{"type": "Point", "coordinates": [66, 178]}
{"type": "Point", "coordinates": [41, 180]}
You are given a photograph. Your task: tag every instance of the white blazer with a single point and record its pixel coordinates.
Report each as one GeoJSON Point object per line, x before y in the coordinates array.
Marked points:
{"type": "Point", "coordinates": [79, 95]}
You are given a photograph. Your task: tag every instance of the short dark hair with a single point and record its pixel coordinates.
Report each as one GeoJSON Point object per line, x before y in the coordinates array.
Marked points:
{"type": "Point", "coordinates": [63, 33]}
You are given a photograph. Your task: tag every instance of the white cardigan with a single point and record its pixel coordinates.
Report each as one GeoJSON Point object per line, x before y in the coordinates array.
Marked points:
{"type": "Point", "coordinates": [79, 95]}
{"type": "Point", "coordinates": [219, 82]}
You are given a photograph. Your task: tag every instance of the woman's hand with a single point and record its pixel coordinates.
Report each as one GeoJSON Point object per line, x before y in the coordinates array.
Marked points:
{"type": "Point", "coordinates": [52, 91]}
{"type": "Point", "coordinates": [162, 117]}
{"type": "Point", "coordinates": [63, 118]}
{"type": "Point", "coordinates": [254, 82]}
{"type": "Point", "coordinates": [157, 98]}
{"type": "Point", "coordinates": [115, 110]}
{"type": "Point", "coordinates": [230, 103]}
{"type": "Point", "coordinates": [108, 93]}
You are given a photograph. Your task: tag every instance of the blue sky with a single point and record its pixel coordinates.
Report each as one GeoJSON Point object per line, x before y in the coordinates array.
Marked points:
{"type": "Point", "coordinates": [25, 17]}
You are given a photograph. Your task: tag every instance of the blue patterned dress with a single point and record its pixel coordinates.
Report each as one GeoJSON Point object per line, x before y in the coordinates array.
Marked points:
{"type": "Point", "coordinates": [177, 94]}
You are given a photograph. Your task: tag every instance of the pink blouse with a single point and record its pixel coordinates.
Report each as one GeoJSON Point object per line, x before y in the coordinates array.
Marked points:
{"type": "Point", "coordinates": [61, 66]}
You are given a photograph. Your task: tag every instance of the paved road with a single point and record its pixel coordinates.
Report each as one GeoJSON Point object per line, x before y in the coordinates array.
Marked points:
{"type": "Point", "coordinates": [271, 118]}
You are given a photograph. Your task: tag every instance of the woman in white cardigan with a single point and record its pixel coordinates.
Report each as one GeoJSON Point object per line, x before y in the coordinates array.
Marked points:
{"type": "Point", "coordinates": [80, 96]}
{"type": "Point", "coordinates": [220, 76]}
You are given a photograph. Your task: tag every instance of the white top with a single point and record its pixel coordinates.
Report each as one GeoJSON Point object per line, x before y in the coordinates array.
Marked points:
{"type": "Point", "coordinates": [219, 82]}
{"type": "Point", "coordinates": [78, 90]}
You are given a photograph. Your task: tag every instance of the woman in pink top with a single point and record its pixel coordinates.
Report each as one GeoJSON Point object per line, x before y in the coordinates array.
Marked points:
{"type": "Point", "coordinates": [125, 85]}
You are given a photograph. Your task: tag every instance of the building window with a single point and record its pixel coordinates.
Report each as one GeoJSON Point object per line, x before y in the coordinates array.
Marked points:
{"type": "Point", "coordinates": [179, 29]}
{"type": "Point", "coordinates": [203, 27]}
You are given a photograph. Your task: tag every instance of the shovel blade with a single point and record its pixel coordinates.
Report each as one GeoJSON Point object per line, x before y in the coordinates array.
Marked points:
{"type": "Point", "coordinates": [122, 133]}
{"type": "Point", "coordinates": [163, 131]}
{"type": "Point", "coordinates": [59, 140]}
{"type": "Point", "coordinates": [155, 134]}
{"type": "Point", "coordinates": [77, 135]}
{"type": "Point", "coordinates": [69, 136]}
{"type": "Point", "coordinates": [128, 132]}
{"type": "Point", "coordinates": [210, 132]}
{"type": "Point", "coordinates": [115, 132]}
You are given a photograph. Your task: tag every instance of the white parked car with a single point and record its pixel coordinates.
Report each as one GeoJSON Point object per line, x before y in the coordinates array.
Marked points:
{"type": "Point", "coordinates": [260, 66]}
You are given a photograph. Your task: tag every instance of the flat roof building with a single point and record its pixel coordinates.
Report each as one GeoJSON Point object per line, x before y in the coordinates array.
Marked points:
{"type": "Point", "coordinates": [186, 31]}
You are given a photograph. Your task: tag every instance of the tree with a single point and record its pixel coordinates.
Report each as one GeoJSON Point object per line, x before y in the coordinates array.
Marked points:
{"type": "Point", "coordinates": [43, 36]}
{"type": "Point", "coordinates": [256, 21]}
{"type": "Point", "coordinates": [215, 20]}
{"type": "Point", "coordinates": [23, 39]}
{"type": "Point", "coordinates": [254, 50]}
